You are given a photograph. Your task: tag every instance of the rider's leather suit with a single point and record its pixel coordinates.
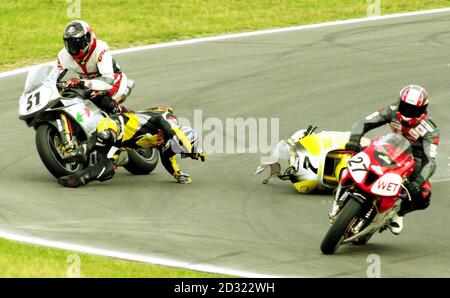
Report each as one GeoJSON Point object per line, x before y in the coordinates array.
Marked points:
{"type": "Point", "coordinates": [147, 129]}
{"type": "Point", "coordinates": [424, 138]}
{"type": "Point", "coordinates": [109, 84]}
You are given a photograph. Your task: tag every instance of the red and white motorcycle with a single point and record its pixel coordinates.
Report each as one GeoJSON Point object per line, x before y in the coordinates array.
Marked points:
{"type": "Point", "coordinates": [368, 194]}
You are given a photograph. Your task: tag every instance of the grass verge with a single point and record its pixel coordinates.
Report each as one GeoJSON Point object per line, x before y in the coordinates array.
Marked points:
{"type": "Point", "coordinates": [24, 260]}
{"type": "Point", "coordinates": [31, 30]}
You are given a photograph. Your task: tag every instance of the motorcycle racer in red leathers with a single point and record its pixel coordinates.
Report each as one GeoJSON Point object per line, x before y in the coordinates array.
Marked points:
{"type": "Point", "coordinates": [408, 117]}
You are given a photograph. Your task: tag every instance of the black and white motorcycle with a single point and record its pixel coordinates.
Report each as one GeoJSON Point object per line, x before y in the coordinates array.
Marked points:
{"type": "Point", "coordinates": [63, 118]}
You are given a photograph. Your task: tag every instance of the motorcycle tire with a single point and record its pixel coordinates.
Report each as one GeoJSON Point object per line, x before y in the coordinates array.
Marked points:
{"type": "Point", "coordinates": [45, 144]}
{"type": "Point", "coordinates": [142, 161]}
{"type": "Point", "coordinates": [337, 231]}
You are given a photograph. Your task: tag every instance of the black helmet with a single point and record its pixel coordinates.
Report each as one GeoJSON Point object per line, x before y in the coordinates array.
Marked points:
{"type": "Point", "coordinates": [78, 38]}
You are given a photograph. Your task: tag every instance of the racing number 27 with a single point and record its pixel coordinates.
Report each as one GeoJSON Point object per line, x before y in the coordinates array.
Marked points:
{"type": "Point", "coordinates": [30, 98]}
{"type": "Point", "coordinates": [357, 161]}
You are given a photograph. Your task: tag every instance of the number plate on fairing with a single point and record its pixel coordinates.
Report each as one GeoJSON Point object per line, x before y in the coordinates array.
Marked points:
{"type": "Point", "coordinates": [358, 166]}
{"type": "Point", "coordinates": [34, 101]}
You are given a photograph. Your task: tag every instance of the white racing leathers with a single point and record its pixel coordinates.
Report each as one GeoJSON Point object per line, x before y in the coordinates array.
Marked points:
{"type": "Point", "coordinates": [97, 67]}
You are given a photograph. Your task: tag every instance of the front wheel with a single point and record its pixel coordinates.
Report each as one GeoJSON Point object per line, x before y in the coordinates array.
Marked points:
{"type": "Point", "coordinates": [142, 161]}
{"type": "Point", "coordinates": [50, 148]}
{"type": "Point", "coordinates": [338, 231]}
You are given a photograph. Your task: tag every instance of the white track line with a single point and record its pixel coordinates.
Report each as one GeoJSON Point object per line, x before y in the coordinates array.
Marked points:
{"type": "Point", "coordinates": [168, 262]}
{"type": "Point", "coordinates": [439, 180]}
{"type": "Point", "coordinates": [248, 34]}
{"type": "Point", "coordinates": [130, 256]}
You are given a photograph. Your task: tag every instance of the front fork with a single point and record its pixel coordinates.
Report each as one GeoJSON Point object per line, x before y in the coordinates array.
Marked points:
{"type": "Point", "coordinates": [337, 200]}
{"type": "Point", "coordinates": [365, 217]}
{"type": "Point", "coordinates": [65, 131]}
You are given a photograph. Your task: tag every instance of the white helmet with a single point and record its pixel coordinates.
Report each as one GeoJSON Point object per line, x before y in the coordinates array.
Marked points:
{"type": "Point", "coordinates": [177, 146]}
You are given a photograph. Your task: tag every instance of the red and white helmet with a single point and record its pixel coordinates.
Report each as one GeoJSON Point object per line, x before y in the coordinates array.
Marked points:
{"type": "Point", "coordinates": [78, 38]}
{"type": "Point", "coordinates": [413, 103]}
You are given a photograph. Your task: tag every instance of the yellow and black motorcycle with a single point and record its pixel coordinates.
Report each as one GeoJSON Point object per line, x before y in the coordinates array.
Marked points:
{"type": "Point", "coordinates": [314, 161]}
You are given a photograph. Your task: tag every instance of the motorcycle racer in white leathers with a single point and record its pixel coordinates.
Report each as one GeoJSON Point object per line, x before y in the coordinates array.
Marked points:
{"type": "Point", "coordinates": [91, 59]}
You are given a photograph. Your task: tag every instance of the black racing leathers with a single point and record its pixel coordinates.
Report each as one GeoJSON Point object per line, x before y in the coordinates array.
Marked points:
{"type": "Point", "coordinates": [424, 138]}
{"type": "Point", "coordinates": [147, 129]}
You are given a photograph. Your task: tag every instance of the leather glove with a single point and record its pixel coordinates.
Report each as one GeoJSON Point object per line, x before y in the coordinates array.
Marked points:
{"type": "Point", "coordinates": [182, 178]}
{"type": "Point", "coordinates": [415, 187]}
{"type": "Point", "coordinates": [72, 83]}
{"type": "Point", "coordinates": [199, 155]}
{"type": "Point", "coordinates": [353, 144]}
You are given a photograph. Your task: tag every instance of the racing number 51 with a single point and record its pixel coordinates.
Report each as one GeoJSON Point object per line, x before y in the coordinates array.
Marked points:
{"type": "Point", "coordinates": [36, 97]}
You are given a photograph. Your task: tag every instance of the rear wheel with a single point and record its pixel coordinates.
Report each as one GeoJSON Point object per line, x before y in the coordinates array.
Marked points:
{"type": "Point", "coordinates": [50, 148]}
{"type": "Point", "coordinates": [339, 230]}
{"type": "Point", "coordinates": [142, 161]}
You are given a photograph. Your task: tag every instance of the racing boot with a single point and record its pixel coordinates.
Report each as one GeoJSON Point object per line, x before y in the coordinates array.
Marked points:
{"type": "Point", "coordinates": [101, 171]}
{"type": "Point", "coordinates": [182, 178]}
{"type": "Point", "coordinates": [396, 225]}
{"type": "Point", "coordinates": [73, 181]}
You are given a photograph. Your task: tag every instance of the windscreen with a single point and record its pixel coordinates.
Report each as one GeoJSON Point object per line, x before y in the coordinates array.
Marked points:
{"type": "Point", "coordinates": [282, 150]}
{"type": "Point", "coordinates": [392, 149]}
{"type": "Point", "coordinates": [36, 76]}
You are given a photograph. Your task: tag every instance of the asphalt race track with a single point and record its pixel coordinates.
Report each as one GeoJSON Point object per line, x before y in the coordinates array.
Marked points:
{"type": "Point", "coordinates": [329, 77]}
